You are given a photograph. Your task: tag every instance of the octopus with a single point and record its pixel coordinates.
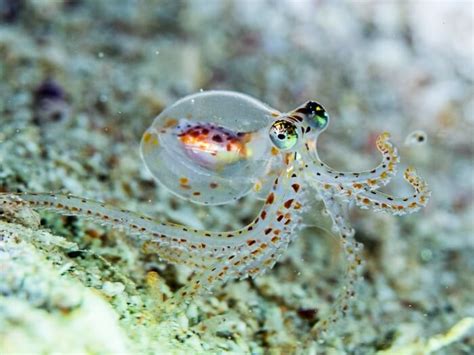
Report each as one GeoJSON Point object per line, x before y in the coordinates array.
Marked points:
{"type": "Point", "coordinates": [213, 148]}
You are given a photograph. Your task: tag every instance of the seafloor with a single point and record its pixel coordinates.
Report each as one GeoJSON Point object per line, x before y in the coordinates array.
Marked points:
{"type": "Point", "coordinates": [80, 81]}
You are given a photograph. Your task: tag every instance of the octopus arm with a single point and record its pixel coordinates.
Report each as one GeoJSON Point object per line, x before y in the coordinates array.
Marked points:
{"type": "Point", "coordinates": [166, 235]}
{"type": "Point", "coordinates": [268, 237]}
{"type": "Point", "coordinates": [215, 256]}
{"type": "Point", "coordinates": [337, 211]}
{"type": "Point", "coordinates": [358, 181]}
{"type": "Point", "coordinates": [279, 233]}
{"type": "Point", "coordinates": [383, 202]}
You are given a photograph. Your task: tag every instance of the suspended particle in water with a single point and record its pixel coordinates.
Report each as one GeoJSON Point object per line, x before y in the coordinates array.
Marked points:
{"type": "Point", "coordinates": [417, 137]}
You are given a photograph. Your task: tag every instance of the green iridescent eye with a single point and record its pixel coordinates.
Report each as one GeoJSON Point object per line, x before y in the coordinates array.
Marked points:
{"type": "Point", "coordinates": [283, 134]}
{"type": "Point", "coordinates": [317, 116]}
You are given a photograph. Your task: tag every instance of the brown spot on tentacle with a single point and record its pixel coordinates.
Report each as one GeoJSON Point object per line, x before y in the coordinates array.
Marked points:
{"type": "Point", "coordinates": [288, 203]}
{"type": "Point", "coordinates": [295, 187]}
{"type": "Point", "coordinates": [270, 198]}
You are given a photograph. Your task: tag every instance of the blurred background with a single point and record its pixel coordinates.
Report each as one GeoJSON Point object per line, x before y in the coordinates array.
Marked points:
{"type": "Point", "coordinates": [81, 80]}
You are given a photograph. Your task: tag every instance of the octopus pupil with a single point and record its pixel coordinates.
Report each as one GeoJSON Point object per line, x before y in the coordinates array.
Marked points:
{"type": "Point", "coordinates": [281, 136]}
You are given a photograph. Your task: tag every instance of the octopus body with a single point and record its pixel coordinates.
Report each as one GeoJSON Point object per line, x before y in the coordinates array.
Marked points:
{"type": "Point", "coordinates": [214, 147]}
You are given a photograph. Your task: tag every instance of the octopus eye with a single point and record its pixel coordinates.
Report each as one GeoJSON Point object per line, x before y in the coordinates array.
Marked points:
{"type": "Point", "coordinates": [317, 116]}
{"type": "Point", "coordinates": [283, 134]}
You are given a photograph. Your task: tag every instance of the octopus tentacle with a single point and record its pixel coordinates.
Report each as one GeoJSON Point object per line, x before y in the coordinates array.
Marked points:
{"type": "Point", "coordinates": [215, 256]}
{"type": "Point", "coordinates": [371, 179]}
{"type": "Point", "coordinates": [352, 251]}
{"type": "Point", "coordinates": [279, 233]}
{"type": "Point", "coordinates": [201, 283]}
{"type": "Point", "coordinates": [382, 202]}
{"type": "Point", "coordinates": [281, 210]}
{"type": "Point", "coordinates": [167, 235]}
{"type": "Point", "coordinates": [259, 253]}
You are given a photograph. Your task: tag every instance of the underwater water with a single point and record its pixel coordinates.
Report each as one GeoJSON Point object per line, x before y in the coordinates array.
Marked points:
{"type": "Point", "coordinates": [82, 81]}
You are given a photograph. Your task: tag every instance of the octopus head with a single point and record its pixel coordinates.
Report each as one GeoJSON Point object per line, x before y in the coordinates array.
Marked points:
{"type": "Point", "coordinates": [303, 124]}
